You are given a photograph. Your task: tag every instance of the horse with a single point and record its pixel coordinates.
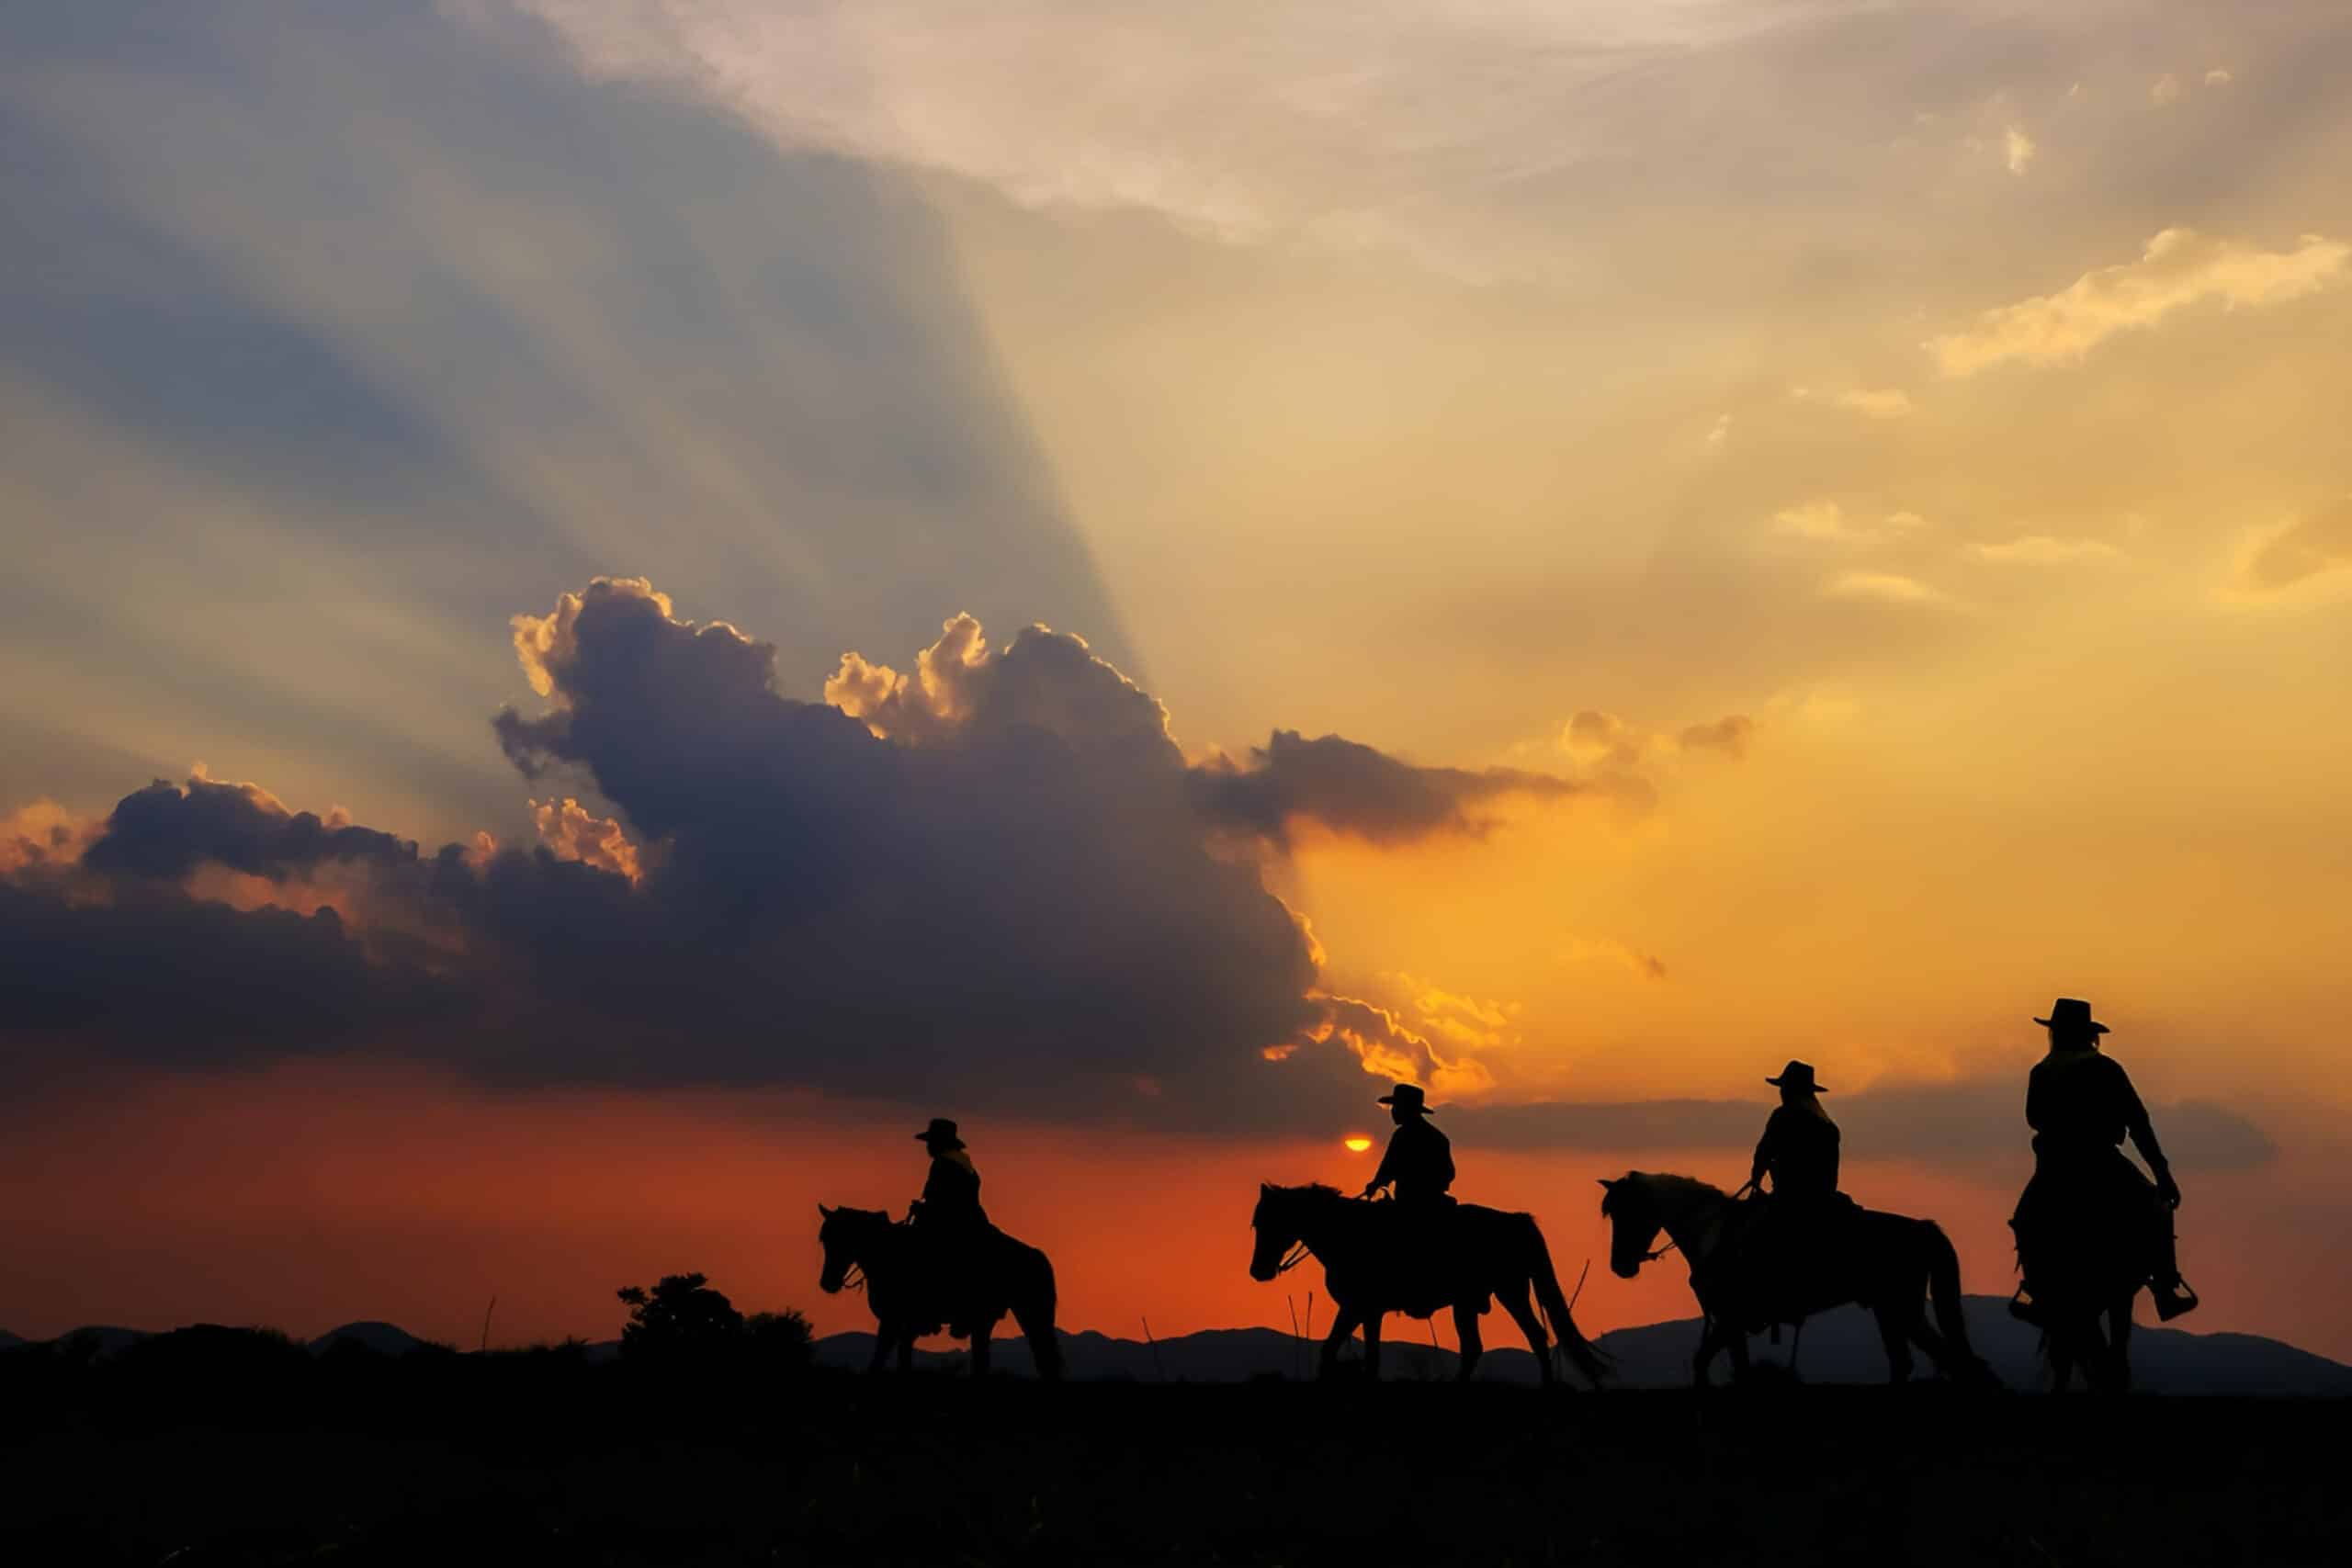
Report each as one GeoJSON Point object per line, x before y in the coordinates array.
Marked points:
{"type": "Point", "coordinates": [1011, 1276]}
{"type": "Point", "coordinates": [1893, 1263]}
{"type": "Point", "coordinates": [1371, 1272]}
{"type": "Point", "coordinates": [2094, 1269]}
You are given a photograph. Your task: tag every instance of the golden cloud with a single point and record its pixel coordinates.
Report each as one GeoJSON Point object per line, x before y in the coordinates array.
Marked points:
{"type": "Point", "coordinates": [2178, 268]}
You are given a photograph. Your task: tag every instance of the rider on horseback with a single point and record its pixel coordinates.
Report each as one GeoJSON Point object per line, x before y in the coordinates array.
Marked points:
{"type": "Point", "coordinates": [1791, 1228]}
{"type": "Point", "coordinates": [949, 1217]}
{"type": "Point", "coordinates": [1419, 1159]}
{"type": "Point", "coordinates": [2080, 1104]}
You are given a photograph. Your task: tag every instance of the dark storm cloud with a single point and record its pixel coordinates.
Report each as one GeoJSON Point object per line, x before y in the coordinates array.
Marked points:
{"type": "Point", "coordinates": [1350, 788]}
{"type": "Point", "coordinates": [166, 831]}
{"type": "Point", "coordinates": [986, 882]}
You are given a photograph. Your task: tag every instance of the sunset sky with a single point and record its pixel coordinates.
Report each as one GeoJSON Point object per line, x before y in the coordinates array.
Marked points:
{"type": "Point", "coordinates": [1124, 573]}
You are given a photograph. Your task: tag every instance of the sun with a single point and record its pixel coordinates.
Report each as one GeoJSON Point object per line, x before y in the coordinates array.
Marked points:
{"type": "Point", "coordinates": [1357, 1142]}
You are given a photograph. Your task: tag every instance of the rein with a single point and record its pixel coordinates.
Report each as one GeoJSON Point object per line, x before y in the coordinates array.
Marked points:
{"type": "Point", "coordinates": [1299, 1254]}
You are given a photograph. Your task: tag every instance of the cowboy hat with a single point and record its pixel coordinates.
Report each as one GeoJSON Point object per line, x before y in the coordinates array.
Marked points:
{"type": "Point", "coordinates": [1406, 1096]}
{"type": "Point", "coordinates": [1797, 1076]}
{"type": "Point", "coordinates": [941, 1130]}
{"type": "Point", "coordinates": [2071, 1014]}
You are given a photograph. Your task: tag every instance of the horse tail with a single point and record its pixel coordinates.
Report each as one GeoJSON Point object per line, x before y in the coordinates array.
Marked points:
{"type": "Point", "coordinates": [1943, 1291]}
{"type": "Point", "coordinates": [1582, 1353]}
{"type": "Point", "coordinates": [1033, 1308]}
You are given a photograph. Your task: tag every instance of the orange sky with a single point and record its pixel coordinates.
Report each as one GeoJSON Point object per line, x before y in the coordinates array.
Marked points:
{"type": "Point", "coordinates": [1874, 475]}
{"type": "Point", "coordinates": [305, 1198]}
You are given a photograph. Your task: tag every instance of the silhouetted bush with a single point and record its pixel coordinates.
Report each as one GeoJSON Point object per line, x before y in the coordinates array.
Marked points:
{"type": "Point", "coordinates": [680, 1319]}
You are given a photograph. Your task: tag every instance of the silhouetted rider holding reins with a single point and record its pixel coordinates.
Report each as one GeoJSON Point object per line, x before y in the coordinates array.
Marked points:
{"type": "Point", "coordinates": [1419, 1159]}
{"type": "Point", "coordinates": [2081, 1106]}
{"type": "Point", "coordinates": [951, 1192]}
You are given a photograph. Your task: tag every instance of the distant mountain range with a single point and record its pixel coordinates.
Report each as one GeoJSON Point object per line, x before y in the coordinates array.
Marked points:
{"type": "Point", "coordinates": [1841, 1346]}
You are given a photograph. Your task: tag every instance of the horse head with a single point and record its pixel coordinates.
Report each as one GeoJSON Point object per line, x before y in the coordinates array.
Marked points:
{"type": "Point", "coordinates": [1283, 1216]}
{"type": "Point", "coordinates": [1630, 1206]}
{"type": "Point", "coordinates": [845, 1235]}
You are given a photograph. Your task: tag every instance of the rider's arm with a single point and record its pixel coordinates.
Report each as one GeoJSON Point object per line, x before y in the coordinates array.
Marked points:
{"type": "Point", "coordinates": [2143, 1136]}
{"type": "Point", "coordinates": [1386, 1173]}
{"type": "Point", "coordinates": [1763, 1160]}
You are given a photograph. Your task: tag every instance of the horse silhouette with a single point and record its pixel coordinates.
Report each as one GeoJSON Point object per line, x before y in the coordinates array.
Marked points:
{"type": "Point", "coordinates": [908, 1299]}
{"type": "Point", "coordinates": [2091, 1264]}
{"type": "Point", "coordinates": [1888, 1263]}
{"type": "Point", "coordinates": [1376, 1260]}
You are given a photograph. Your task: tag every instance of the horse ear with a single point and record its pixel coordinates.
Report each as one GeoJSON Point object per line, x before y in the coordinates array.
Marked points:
{"type": "Point", "coordinates": [1606, 1185]}
{"type": "Point", "coordinates": [825, 1212]}
{"type": "Point", "coordinates": [1264, 1188]}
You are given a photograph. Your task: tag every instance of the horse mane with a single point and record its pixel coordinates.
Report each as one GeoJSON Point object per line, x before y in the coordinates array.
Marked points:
{"type": "Point", "coordinates": [1309, 1190]}
{"type": "Point", "coordinates": [1658, 1181]}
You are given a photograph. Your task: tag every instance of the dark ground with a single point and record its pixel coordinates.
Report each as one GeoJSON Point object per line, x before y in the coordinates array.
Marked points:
{"type": "Point", "coordinates": [530, 1460]}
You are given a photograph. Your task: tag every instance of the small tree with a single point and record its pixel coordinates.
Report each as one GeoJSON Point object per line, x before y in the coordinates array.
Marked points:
{"type": "Point", "coordinates": [680, 1317]}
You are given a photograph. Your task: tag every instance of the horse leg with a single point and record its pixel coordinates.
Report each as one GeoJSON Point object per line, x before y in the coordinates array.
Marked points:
{"type": "Point", "coordinates": [1522, 1312]}
{"type": "Point", "coordinates": [1343, 1328]}
{"type": "Point", "coordinates": [881, 1346]}
{"type": "Point", "coordinates": [1466, 1329]}
{"type": "Point", "coordinates": [1706, 1358]}
{"type": "Point", "coordinates": [907, 1352]}
{"type": "Point", "coordinates": [1736, 1342]}
{"type": "Point", "coordinates": [1372, 1346]}
{"type": "Point", "coordinates": [1892, 1334]}
{"type": "Point", "coordinates": [2119, 1347]}
{"type": "Point", "coordinates": [981, 1333]}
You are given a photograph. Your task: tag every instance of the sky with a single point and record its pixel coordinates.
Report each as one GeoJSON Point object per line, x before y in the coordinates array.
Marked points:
{"type": "Point", "coordinates": [614, 603]}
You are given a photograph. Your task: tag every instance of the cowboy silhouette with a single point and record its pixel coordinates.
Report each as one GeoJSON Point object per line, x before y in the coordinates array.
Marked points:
{"type": "Point", "coordinates": [2080, 1104]}
{"type": "Point", "coordinates": [947, 1219]}
{"type": "Point", "coordinates": [951, 1192]}
{"type": "Point", "coordinates": [1790, 1227]}
{"type": "Point", "coordinates": [1419, 1159]}
{"type": "Point", "coordinates": [1799, 1149]}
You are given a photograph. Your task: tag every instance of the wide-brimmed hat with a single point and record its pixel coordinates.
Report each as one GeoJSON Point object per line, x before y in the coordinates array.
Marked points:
{"type": "Point", "coordinates": [941, 1130]}
{"type": "Point", "coordinates": [1406, 1096]}
{"type": "Point", "coordinates": [1798, 1076]}
{"type": "Point", "coordinates": [2072, 1013]}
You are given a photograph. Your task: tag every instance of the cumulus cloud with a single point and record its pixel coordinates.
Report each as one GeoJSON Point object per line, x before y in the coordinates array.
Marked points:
{"type": "Point", "coordinates": [2179, 268]}
{"type": "Point", "coordinates": [570, 831]}
{"type": "Point", "coordinates": [166, 831]}
{"type": "Point", "coordinates": [2319, 541]}
{"type": "Point", "coordinates": [994, 879]}
{"type": "Point", "coordinates": [1597, 738]}
{"type": "Point", "coordinates": [1387, 1048]}
{"type": "Point", "coordinates": [1350, 788]}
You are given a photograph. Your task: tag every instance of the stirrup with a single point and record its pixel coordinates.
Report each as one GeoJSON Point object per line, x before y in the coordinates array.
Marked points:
{"type": "Point", "coordinates": [2173, 1300]}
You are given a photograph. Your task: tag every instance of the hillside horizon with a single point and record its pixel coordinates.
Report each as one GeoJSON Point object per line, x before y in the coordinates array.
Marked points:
{"type": "Point", "coordinates": [1837, 1347]}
